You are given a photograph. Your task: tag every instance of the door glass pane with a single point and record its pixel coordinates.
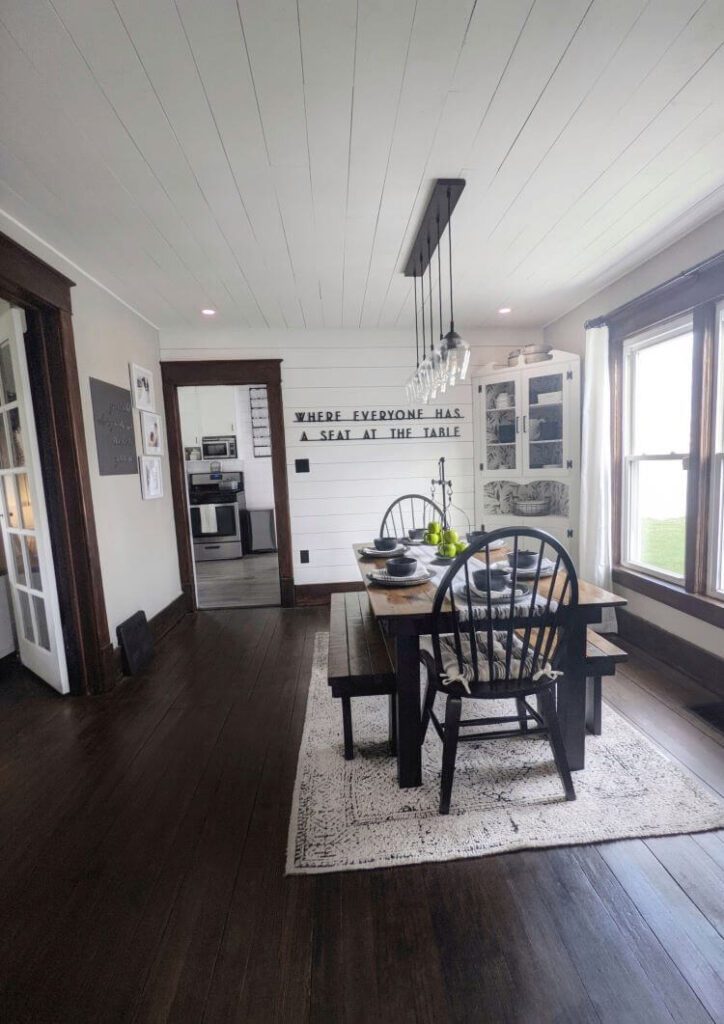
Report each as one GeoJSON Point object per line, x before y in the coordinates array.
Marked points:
{"type": "Point", "coordinates": [657, 531]}
{"type": "Point", "coordinates": [33, 564]}
{"type": "Point", "coordinates": [500, 426]}
{"type": "Point", "coordinates": [7, 377]}
{"type": "Point", "coordinates": [24, 601]}
{"type": "Point", "coordinates": [16, 546]}
{"type": "Point", "coordinates": [41, 622]}
{"type": "Point", "coordinates": [26, 505]}
{"type": "Point", "coordinates": [661, 397]}
{"type": "Point", "coordinates": [4, 452]}
{"type": "Point", "coordinates": [17, 446]}
{"type": "Point", "coordinates": [544, 429]}
{"type": "Point", "coordinates": [11, 501]}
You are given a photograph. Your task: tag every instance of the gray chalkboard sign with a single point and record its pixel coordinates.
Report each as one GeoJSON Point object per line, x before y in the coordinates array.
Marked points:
{"type": "Point", "coordinates": [113, 417]}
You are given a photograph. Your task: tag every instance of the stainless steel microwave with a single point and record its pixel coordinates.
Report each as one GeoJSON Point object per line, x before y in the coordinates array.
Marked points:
{"type": "Point", "coordinates": [219, 447]}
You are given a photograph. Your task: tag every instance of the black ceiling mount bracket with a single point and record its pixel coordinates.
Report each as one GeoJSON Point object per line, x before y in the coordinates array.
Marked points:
{"type": "Point", "coordinates": [429, 230]}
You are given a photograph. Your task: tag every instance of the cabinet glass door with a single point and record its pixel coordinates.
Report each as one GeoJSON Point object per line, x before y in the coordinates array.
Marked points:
{"type": "Point", "coordinates": [544, 423]}
{"type": "Point", "coordinates": [500, 427]}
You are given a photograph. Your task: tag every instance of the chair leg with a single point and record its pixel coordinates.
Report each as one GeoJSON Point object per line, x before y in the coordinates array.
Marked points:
{"type": "Point", "coordinates": [427, 704]}
{"type": "Point", "coordinates": [550, 717]}
{"type": "Point", "coordinates": [347, 728]}
{"type": "Point", "coordinates": [453, 709]}
{"type": "Point", "coordinates": [392, 731]}
{"type": "Point", "coordinates": [522, 714]}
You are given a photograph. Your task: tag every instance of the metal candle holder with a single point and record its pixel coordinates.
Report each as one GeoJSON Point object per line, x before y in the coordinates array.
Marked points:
{"type": "Point", "coordinates": [446, 491]}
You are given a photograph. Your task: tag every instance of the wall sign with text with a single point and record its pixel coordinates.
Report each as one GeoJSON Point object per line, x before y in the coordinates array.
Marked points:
{"type": "Point", "coordinates": [379, 424]}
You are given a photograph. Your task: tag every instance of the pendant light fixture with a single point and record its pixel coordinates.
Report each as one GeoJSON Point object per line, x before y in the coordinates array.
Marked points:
{"type": "Point", "coordinates": [458, 350]}
{"type": "Point", "coordinates": [424, 370]}
{"type": "Point", "coordinates": [443, 344]}
{"type": "Point", "coordinates": [434, 356]}
{"type": "Point", "coordinates": [411, 388]}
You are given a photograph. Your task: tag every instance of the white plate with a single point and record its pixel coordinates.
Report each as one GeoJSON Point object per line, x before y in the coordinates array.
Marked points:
{"type": "Point", "coordinates": [382, 577]}
{"type": "Point", "coordinates": [496, 596]}
{"type": "Point", "coordinates": [374, 553]}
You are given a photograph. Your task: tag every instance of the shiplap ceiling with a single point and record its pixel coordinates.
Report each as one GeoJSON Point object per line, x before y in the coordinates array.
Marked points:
{"type": "Point", "coordinates": [271, 158]}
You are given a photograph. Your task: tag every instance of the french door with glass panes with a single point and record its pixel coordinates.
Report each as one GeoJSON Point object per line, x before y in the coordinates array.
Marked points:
{"type": "Point", "coordinates": [26, 537]}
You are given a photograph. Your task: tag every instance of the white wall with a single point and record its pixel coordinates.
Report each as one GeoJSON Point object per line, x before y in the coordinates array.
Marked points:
{"type": "Point", "coordinates": [258, 477]}
{"type": "Point", "coordinates": [351, 483]}
{"type": "Point", "coordinates": [136, 538]}
{"type": "Point", "coordinates": [567, 332]}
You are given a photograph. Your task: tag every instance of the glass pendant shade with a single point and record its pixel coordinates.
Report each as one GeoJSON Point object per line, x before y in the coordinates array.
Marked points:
{"type": "Point", "coordinates": [458, 357]}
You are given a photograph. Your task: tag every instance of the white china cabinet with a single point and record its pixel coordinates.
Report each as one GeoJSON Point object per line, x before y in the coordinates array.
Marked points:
{"type": "Point", "coordinates": [527, 446]}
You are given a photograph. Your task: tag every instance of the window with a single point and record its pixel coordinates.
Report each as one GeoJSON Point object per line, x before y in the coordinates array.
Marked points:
{"type": "Point", "coordinates": [656, 437]}
{"type": "Point", "coordinates": [716, 516]}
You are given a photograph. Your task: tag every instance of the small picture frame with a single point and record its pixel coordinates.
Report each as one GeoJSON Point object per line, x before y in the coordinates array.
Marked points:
{"type": "Point", "coordinates": [151, 477]}
{"type": "Point", "coordinates": [142, 388]}
{"type": "Point", "coordinates": [151, 433]}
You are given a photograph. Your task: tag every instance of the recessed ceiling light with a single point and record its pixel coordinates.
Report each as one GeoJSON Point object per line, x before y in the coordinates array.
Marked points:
{"type": "Point", "coordinates": [505, 309]}
{"type": "Point", "coordinates": [208, 312]}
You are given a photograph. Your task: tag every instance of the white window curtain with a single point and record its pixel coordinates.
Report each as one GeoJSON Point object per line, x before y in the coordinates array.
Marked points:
{"type": "Point", "coordinates": [595, 526]}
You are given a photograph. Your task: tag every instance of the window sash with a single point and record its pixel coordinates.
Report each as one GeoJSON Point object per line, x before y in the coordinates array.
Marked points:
{"type": "Point", "coordinates": [630, 540]}
{"type": "Point", "coordinates": [715, 569]}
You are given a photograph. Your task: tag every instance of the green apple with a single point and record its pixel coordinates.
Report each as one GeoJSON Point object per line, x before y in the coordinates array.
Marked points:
{"type": "Point", "coordinates": [434, 527]}
{"type": "Point", "coordinates": [460, 547]}
{"type": "Point", "coordinates": [433, 538]}
{"type": "Point", "coordinates": [450, 536]}
{"type": "Point", "coordinates": [449, 550]}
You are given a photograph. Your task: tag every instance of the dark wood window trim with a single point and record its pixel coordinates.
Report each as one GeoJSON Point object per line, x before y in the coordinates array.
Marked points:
{"type": "Point", "coordinates": [192, 373]}
{"type": "Point", "coordinates": [44, 294]}
{"type": "Point", "coordinates": [697, 291]}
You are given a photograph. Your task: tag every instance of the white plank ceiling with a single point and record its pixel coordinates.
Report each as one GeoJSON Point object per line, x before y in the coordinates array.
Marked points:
{"type": "Point", "coordinates": [271, 158]}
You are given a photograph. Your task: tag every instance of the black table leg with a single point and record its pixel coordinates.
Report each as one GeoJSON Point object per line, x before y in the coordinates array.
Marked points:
{"type": "Point", "coordinates": [572, 699]}
{"type": "Point", "coordinates": [409, 762]}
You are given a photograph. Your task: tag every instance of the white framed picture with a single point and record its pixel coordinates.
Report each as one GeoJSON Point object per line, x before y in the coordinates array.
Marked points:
{"type": "Point", "coordinates": [151, 477]}
{"type": "Point", "coordinates": [151, 432]}
{"type": "Point", "coordinates": [142, 388]}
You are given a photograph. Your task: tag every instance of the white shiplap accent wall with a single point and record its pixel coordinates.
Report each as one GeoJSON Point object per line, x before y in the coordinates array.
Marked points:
{"type": "Point", "coordinates": [351, 483]}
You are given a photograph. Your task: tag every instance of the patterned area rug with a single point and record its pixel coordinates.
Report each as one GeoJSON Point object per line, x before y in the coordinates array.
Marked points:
{"type": "Point", "coordinates": [349, 815]}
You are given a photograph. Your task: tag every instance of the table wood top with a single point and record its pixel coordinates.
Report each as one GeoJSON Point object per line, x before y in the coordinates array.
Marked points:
{"type": "Point", "coordinates": [394, 603]}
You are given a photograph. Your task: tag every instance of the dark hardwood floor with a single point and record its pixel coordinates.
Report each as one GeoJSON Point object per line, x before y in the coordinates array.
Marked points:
{"type": "Point", "coordinates": [142, 841]}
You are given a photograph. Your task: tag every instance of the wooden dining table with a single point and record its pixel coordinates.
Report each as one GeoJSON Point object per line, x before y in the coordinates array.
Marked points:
{"type": "Point", "coordinates": [405, 615]}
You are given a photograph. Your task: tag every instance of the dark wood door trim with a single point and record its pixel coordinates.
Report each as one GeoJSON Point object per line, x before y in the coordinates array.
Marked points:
{"type": "Point", "coordinates": [44, 294]}
{"type": "Point", "coordinates": [196, 373]}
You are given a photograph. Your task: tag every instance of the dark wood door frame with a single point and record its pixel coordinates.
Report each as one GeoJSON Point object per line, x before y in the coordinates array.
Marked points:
{"type": "Point", "coordinates": [44, 294]}
{"type": "Point", "coordinates": [193, 373]}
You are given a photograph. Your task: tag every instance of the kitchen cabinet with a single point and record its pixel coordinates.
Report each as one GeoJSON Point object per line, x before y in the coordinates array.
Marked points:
{"type": "Point", "coordinates": [527, 446]}
{"type": "Point", "coordinates": [206, 412]}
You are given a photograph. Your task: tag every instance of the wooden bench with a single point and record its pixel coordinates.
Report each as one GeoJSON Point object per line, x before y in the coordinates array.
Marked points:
{"type": "Point", "coordinates": [359, 665]}
{"type": "Point", "coordinates": [601, 659]}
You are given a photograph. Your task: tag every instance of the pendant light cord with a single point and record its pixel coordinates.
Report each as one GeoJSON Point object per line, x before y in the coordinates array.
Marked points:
{"type": "Point", "coordinates": [422, 303]}
{"type": "Point", "coordinates": [429, 271]}
{"type": "Point", "coordinates": [449, 242]}
{"type": "Point", "coordinates": [417, 330]}
{"type": "Point", "coordinates": [439, 278]}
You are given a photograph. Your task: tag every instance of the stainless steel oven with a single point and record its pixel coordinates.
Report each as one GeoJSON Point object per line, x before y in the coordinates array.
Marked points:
{"type": "Point", "coordinates": [216, 501]}
{"type": "Point", "coordinates": [219, 447]}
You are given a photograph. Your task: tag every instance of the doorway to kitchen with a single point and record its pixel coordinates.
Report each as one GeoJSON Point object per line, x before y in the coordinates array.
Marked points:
{"type": "Point", "coordinates": [230, 489]}
{"type": "Point", "coordinates": [229, 479]}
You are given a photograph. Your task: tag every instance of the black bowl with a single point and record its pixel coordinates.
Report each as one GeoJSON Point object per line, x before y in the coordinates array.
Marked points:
{"type": "Point", "coordinates": [385, 543]}
{"type": "Point", "coordinates": [417, 534]}
{"type": "Point", "coordinates": [491, 579]}
{"type": "Point", "coordinates": [524, 559]}
{"type": "Point", "coordinates": [474, 535]}
{"type": "Point", "coordinates": [403, 566]}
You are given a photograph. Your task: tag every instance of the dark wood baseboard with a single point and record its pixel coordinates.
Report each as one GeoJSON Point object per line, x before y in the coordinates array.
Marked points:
{"type": "Point", "coordinates": [705, 667]}
{"type": "Point", "coordinates": [319, 593]}
{"type": "Point", "coordinates": [160, 624]}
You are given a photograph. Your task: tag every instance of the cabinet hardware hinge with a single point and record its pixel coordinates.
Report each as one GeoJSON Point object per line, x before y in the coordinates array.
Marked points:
{"type": "Point", "coordinates": [482, 466]}
{"type": "Point", "coordinates": [569, 533]}
{"type": "Point", "coordinates": [569, 374]}
{"type": "Point", "coordinates": [569, 463]}
{"type": "Point", "coordinates": [480, 389]}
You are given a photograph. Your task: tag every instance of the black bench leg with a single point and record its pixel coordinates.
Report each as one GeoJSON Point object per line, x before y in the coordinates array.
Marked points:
{"type": "Point", "coordinates": [347, 728]}
{"type": "Point", "coordinates": [593, 705]}
{"type": "Point", "coordinates": [393, 724]}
